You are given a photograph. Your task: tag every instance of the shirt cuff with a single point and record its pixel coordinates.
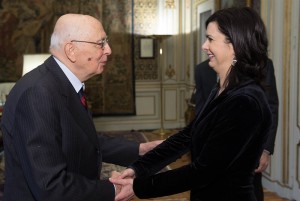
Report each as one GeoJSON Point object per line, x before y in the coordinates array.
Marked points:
{"type": "Point", "coordinates": [267, 152]}
{"type": "Point", "coordinates": [115, 189]}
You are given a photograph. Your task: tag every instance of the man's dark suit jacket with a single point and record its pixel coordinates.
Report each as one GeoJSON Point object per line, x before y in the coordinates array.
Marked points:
{"type": "Point", "coordinates": [206, 80]}
{"type": "Point", "coordinates": [52, 151]}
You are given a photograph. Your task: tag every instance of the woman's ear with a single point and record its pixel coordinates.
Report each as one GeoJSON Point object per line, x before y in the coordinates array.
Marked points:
{"type": "Point", "coordinates": [70, 52]}
{"type": "Point", "coordinates": [232, 50]}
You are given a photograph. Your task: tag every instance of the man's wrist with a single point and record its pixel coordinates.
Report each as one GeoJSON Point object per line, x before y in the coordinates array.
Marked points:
{"type": "Point", "coordinates": [115, 189]}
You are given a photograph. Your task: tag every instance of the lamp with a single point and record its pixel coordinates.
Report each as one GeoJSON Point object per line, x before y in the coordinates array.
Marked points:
{"type": "Point", "coordinates": [31, 61]}
{"type": "Point", "coordinates": [166, 26]}
{"type": "Point", "coordinates": [161, 131]}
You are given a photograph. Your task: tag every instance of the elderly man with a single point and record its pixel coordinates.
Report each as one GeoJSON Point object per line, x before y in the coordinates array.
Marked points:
{"type": "Point", "coordinates": [52, 149]}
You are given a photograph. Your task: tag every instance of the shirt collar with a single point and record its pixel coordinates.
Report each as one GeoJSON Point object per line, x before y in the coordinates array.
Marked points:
{"type": "Point", "coordinates": [76, 83]}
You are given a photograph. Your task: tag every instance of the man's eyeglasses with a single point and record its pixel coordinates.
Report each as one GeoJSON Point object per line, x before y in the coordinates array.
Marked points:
{"type": "Point", "coordinates": [101, 43]}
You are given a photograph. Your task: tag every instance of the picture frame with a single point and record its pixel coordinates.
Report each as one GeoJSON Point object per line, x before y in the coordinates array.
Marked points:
{"type": "Point", "coordinates": [221, 4]}
{"type": "Point", "coordinates": [146, 48]}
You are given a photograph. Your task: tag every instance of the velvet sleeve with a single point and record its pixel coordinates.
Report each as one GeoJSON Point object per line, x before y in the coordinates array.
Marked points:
{"type": "Point", "coordinates": [165, 153]}
{"type": "Point", "coordinates": [235, 124]}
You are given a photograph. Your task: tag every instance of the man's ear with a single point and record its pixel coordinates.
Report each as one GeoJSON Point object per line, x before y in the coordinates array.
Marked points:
{"type": "Point", "coordinates": [70, 52]}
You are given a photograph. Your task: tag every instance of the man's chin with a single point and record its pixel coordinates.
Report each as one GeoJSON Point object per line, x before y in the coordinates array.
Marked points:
{"type": "Point", "coordinates": [100, 70]}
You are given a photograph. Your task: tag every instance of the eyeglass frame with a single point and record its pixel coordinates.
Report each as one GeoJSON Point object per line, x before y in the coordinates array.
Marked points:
{"type": "Point", "coordinates": [102, 42]}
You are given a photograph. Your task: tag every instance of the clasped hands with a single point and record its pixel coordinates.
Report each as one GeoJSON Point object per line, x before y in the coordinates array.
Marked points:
{"type": "Point", "coordinates": [123, 183]}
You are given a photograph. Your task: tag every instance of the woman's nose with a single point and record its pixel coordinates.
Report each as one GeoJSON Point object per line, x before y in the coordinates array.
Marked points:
{"type": "Point", "coordinates": [205, 46]}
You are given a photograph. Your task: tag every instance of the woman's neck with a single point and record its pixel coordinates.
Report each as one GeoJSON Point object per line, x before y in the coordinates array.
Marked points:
{"type": "Point", "coordinates": [221, 83]}
{"type": "Point", "coordinates": [221, 89]}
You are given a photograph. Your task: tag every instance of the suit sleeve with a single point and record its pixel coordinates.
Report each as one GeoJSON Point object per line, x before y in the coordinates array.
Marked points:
{"type": "Point", "coordinates": [205, 79]}
{"type": "Point", "coordinates": [200, 95]}
{"type": "Point", "coordinates": [118, 151]}
{"type": "Point", "coordinates": [272, 97]}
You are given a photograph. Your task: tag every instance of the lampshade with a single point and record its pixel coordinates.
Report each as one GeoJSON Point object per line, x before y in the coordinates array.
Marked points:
{"type": "Point", "coordinates": [167, 18]}
{"type": "Point", "coordinates": [31, 61]}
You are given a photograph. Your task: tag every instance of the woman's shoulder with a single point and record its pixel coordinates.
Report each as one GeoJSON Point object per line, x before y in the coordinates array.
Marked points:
{"type": "Point", "coordinates": [248, 92]}
{"type": "Point", "coordinates": [249, 88]}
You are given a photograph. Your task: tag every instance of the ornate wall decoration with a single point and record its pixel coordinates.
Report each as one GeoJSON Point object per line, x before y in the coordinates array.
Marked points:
{"type": "Point", "coordinates": [144, 24]}
{"type": "Point", "coordinates": [24, 28]}
{"type": "Point", "coordinates": [113, 93]}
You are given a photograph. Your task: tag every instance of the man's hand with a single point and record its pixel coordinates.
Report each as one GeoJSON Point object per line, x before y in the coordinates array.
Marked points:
{"type": "Point", "coordinates": [127, 173]}
{"type": "Point", "coordinates": [145, 147]}
{"type": "Point", "coordinates": [115, 174]}
{"type": "Point", "coordinates": [264, 162]}
{"type": "Point", "coordinates": [126, 192]}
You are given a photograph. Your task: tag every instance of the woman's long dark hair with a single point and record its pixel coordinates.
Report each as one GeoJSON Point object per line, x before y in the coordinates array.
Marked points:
{"type": "Point", "coordinates": [244, 28]}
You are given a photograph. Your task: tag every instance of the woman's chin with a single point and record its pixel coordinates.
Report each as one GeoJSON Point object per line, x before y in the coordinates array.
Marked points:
{"type": "Point", "coordinates": [211, 63]}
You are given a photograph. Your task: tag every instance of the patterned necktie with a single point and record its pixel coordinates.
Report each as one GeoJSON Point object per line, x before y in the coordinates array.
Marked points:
{"type": "Point", "coordinates": [82, 98]}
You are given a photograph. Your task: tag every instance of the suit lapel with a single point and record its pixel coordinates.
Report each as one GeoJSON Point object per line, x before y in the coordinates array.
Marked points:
{"type": "Point", "coordinates": [72, 101]}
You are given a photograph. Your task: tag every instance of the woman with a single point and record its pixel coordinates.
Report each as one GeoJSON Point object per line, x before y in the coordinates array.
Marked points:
{"type": "Point", "coordinates": [227, 136]}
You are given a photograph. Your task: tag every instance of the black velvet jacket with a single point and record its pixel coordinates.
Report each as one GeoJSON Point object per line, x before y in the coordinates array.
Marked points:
{"type": "Point", "coordinates": [226, 141]}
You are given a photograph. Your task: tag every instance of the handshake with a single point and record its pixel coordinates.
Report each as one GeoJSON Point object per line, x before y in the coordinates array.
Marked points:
{"type": "Point", "coordinates": [123, 184]}
{"type": "Point", "coordinates": [123, 181]}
